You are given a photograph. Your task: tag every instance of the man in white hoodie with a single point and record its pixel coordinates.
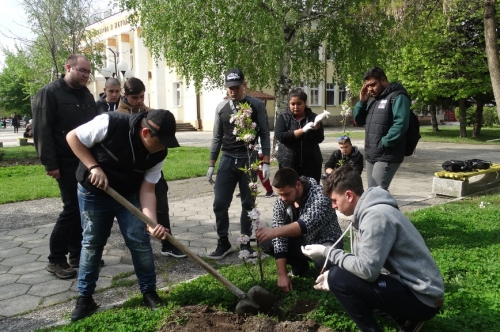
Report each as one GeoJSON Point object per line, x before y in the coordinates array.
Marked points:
{"type": "Point", "coordinates": [390, 269]}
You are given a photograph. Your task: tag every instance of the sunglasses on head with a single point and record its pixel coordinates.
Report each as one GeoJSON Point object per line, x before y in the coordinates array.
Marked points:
{"type": "Point", "coordinates": [341, 138]}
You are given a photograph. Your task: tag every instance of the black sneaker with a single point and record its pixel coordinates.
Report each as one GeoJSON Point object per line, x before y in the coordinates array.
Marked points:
{"type": "Point", "coordinates": [62, 270]}
{"type": "Point", "coordinates": [172, 251]}
{"type": "Point", "coordinates": [269, 194]}
{"type": "Point", "coordinates": [247, 247]}
{"type": "Point", "coordinates": [410, 326]}
{"type": "Point", "coordinates": [75, 262]}
{"type": "Point", "coordinates": [85, 306]}
{"type": "Point", "coordinates": [223, 248]}
{"type": "Point", "coordinates": [152, 300]}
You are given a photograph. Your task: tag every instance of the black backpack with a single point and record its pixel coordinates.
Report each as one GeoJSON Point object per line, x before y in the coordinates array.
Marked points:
{"type": "Point", "coordinates": [412, 134]}
{"type": "Point", "coordinates": [465, 165]}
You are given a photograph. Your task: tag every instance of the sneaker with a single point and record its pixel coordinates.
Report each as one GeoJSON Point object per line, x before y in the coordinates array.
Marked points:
{"type": "Point", "coordinates": [62, 270]}
{"type": "Point", "coordinates": [172, 251]}
{"type": "Point", "coordinates": [410, 326]}
{"type": "Point", "coordinates": [223, 248]}
{"type": "Point", "coordinates": [269, 194]}
{"type": "Point", "coordinates": [247, 247]}
{"type": "Point", "coordinates": [152, 300]}
{"type": "Point", "coordinates": [85, 306]}
{"type": "Point", "coordinates": [75, 262]}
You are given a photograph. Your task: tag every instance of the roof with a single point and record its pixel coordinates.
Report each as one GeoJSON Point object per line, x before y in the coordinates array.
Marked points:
{"type": "Point", "coordinates": [257, 94]}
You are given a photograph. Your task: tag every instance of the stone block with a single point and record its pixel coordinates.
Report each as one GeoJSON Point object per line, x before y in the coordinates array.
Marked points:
{"type": "Point", "coordinates": [473, 185]}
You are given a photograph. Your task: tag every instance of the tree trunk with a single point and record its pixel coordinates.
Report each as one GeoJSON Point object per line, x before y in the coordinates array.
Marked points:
{"type": "Point", "coordinates": [490, 36]}
{"type": "Point", "coordinates": [478, 120]}
{"type": "Point", "coordinates": [463, 117]}
{"type": "Point", "coordinates": [435, 127]}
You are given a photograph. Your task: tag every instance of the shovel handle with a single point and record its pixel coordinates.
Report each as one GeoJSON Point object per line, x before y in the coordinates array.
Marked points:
{"type": "Point", "coordinates": [139, 214]}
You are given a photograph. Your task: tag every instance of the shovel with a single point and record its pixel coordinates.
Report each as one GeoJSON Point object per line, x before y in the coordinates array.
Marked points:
{"type": "Point", "coordinates": [257, 299]}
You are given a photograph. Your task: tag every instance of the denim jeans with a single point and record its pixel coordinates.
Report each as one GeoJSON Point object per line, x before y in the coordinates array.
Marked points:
{"type": "Point", "coordinates": [228, 175]}
{"type": "Point", "coordinates": [98, 213]}
{"type": "Point", "coordinates": [66, 235]}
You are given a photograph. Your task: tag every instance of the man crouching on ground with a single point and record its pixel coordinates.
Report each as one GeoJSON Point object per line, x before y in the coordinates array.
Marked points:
{"type": "Point", "coordinates": [301, 215]}
{"type": "Point", "coordinates": [410, 289]}
{"type": "Point", "coordinates": [126, 153]}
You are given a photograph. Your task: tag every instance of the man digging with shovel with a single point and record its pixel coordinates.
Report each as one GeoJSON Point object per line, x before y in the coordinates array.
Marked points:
{"type": "Point", "coordinates": [127, 153]}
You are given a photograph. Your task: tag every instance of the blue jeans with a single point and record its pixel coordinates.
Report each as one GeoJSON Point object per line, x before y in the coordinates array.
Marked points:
{"type": "Point", "coordinates": [98, 213]}
{"type": "Point", "coordinates": [228, 175]}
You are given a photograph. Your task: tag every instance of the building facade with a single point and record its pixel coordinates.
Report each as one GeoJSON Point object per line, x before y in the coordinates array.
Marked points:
{"type": "Point", "coordinates": [123, 44]}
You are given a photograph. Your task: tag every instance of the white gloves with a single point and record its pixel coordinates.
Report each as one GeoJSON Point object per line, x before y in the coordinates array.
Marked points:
{"type": "Point", "coordinates": [308, 127]}
{"type": "Point", "coordinates": [322, 282]}
{"type": "Point", "coordinates": [321, 116]}
{"type": "Point", "coordinates": [314, 251]}
{"type": "Point", "coordinates": [266, 172]}
{"type": "Point", "coordinates": [210, 172]}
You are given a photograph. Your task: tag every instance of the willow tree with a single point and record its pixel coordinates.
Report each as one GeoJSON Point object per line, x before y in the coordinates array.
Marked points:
{"type": "Point", "coordinates": [276, 43]}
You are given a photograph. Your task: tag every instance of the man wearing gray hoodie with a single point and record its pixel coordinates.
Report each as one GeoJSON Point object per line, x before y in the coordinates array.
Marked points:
{"type": "Point", "coordinates": [390, 269]}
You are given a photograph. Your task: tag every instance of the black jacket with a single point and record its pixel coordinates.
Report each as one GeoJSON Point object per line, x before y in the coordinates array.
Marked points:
{"type": "Point", "coordinates": [355, 159]}
{"type": "Point", "coordinates": [121, 155]}
{"type": "Point", "coordinates": [104, 106]}
{"type": "Point", "coordinates": [306, 147]}
{"type": "Point", "coordinates": [58, 109]}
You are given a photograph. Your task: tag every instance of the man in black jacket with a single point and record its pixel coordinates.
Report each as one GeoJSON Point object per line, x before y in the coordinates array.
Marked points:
{"type": "Point", "coordinates": [386, 119]}
{"type": "Point", "coordinates": [58, 108]}
{"type": "Point", "coordinates": [109, 99]}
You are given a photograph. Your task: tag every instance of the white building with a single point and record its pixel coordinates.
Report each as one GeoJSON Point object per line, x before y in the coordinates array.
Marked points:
{"type": "Point", "coordinates": [166, 90]}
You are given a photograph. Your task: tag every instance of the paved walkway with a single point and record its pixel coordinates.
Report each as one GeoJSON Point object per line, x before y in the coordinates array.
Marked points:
{"type": "Point", "coordinates": [25, 227]}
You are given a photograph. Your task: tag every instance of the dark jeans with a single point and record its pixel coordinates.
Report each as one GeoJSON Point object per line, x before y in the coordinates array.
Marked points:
{"type": "Point", "coordinates": [67, 233]}
{"type": "Point", "coordinates": [228, 175]}
{"type": "Point", "coordinates": [359, 298]}
{"type": "Point", "coordinates": [295, 258]}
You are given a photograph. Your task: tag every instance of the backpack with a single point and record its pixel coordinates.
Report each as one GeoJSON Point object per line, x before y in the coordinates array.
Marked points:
{"type": "Point", "coordinates": [465, 165]}
{"type": "Point", "coordinates": [412, 135]}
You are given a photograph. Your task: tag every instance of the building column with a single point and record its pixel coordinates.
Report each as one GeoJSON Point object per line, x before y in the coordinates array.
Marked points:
{"type": "Point", "coordinates": [141, 56]}
{"type": "Point", "coordinates": [158, 88]}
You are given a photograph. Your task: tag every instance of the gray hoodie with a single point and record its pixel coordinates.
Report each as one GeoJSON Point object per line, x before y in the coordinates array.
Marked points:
{"type": "Point", "coordinates": [385, 238]}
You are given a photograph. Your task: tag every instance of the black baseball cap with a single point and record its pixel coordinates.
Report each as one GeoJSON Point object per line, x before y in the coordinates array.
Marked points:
{"type": "Point", "coordinates": [234, 77]}
{"type": "Point", "coordinates": [162, 124]}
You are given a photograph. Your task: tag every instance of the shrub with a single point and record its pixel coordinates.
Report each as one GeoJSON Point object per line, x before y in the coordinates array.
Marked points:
{"type": "Point", "coordinates": [490, 116]}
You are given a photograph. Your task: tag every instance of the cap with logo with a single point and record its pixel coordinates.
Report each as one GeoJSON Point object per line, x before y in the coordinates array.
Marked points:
{"type": "Point", "coordinates": [162, 124]}
{"type": "Point", "coordinates": [234, 77]}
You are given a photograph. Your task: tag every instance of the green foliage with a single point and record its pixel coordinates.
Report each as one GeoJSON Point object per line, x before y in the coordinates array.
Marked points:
{"type": "Point", "coordinates": [21, 183]}
{"type": "Point", "coordinates": [13, 97]}
{"type": "Point", "coordinates": [470, 115]}
{"type": "Point", "coordinates": [490, 116]}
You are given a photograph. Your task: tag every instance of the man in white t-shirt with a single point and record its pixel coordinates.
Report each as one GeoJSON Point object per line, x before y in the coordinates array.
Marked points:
{"type": "Point", "coordinates": [126, 153]}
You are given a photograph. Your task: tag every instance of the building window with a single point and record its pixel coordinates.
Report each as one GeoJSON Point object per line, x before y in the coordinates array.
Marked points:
{"type": "Point", "coordinates": [314, 95]}
{"type": "Point", "coordinates": [342, 94]}
{"type": "Point", "coordinates": [330, 94]}
{"type": "Point", "coordinates": [177, 94]}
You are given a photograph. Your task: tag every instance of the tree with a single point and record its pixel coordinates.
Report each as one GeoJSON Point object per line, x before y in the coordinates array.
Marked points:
{"type": "Point", "coordinates": [12, 95]}
{"type": "Point", "coordinates": [276, 43]}
{"type": "Point", "coordinates": [492, 51]}
{"type": "Point", "coordinates": [59, 26]}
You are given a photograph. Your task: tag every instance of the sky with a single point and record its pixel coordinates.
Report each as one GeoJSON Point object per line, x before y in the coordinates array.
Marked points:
{"type": "Point", "coordinates": [13, 22]}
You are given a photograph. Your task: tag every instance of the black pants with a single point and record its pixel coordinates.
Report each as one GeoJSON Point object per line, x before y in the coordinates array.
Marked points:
{"type": "Point", "coordinates": [295, 258]}
{"type": "Point", "coordinates": [359, 298]}
{"type": "Point", "coordinates": [162, 209]}
{"type": "Point", "coordinates": [66, 236]}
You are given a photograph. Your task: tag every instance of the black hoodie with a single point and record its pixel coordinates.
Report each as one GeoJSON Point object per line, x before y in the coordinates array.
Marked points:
{"type": "Point", "coordinates": [104, 106]}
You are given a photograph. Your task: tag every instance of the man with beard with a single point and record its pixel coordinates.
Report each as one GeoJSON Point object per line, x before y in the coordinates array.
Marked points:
{"type": "Point", "coordinates": [58, 108]}
{"type": "Point", "coordinates": [386, 119]}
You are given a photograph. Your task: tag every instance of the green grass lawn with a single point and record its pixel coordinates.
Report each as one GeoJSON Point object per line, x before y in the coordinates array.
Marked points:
{"type": "Point", "coordinates": [22, 183]}
{"type": "Point", "coordinates": [446, 134]}
{"type": "Point", "coordinates": [463, 236]}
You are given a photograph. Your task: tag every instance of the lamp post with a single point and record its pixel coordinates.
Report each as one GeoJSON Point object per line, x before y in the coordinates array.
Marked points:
{"type": "Point", "coordinates": [113, 68]}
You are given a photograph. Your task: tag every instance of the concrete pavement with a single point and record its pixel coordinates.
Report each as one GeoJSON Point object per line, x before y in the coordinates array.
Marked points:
{"type": "Point", "coordinates": [31, 298]}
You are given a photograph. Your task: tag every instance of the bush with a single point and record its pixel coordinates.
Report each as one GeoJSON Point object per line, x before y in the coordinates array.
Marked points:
{"type": "Point", "coordinates": [470, 115]}
{"type": "Point", "coordinates": [490, 116]}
